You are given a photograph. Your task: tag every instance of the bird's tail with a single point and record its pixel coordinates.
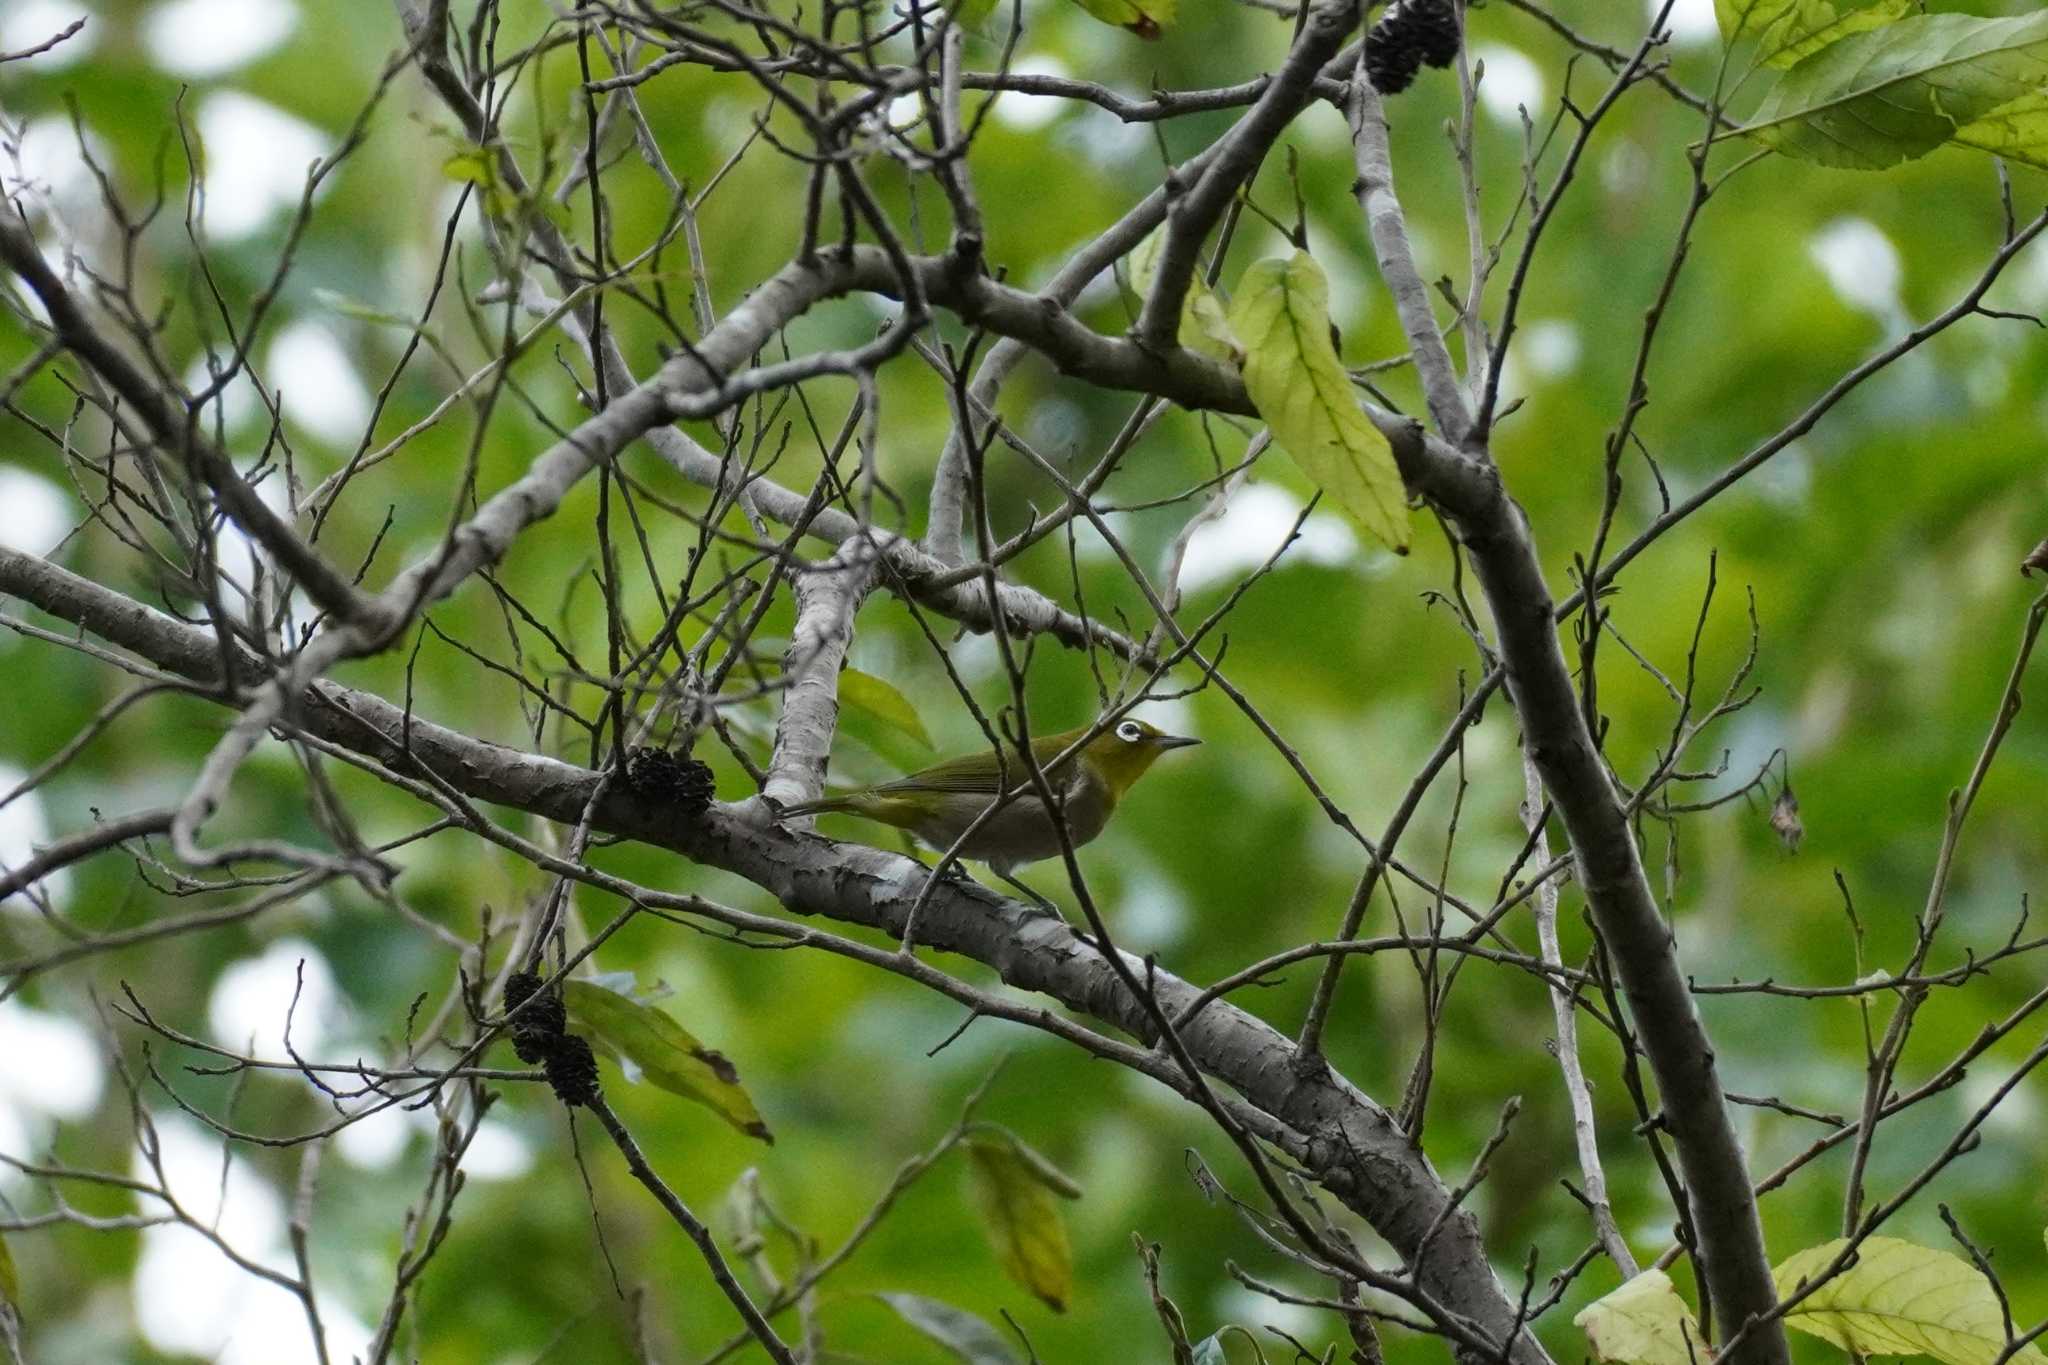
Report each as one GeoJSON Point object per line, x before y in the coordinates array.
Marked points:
{"type": "Point", "coordinates": [818, 807]}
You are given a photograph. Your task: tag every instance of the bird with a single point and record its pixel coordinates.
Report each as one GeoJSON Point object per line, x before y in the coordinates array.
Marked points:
{"type": "Point", "coordinates": [939, 804]}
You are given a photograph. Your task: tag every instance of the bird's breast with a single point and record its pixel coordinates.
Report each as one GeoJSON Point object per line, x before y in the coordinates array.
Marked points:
{"type": "Point", "coordinates": [1021, 832]}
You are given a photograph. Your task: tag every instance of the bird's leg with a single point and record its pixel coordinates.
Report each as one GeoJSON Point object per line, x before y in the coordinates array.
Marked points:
{"type": "Point", "coordinates": [947, 873]}
{"type": "Point", "coordinates": [1030, 895]}
{"type": "Point", "coordinates": [1047, 906]}
{"type": "Point", "coordinates": [954, 871]}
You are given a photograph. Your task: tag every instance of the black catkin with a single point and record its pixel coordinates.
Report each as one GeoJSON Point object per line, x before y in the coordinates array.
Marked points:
{"type": "Point", "coordinates": [1410, 35]}
{"type": "Point", "coordinates": [660, 776]}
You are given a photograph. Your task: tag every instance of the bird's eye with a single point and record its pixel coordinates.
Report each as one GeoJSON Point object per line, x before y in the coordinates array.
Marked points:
{"type": "Point", "coordinates": [1129, 732]}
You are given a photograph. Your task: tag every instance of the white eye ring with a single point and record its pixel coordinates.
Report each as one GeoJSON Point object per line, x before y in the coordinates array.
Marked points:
{"type": "Point", "coordinates": [1129, 732]}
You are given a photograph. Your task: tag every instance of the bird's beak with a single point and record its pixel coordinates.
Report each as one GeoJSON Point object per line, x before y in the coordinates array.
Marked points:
{"type": "Point", "coordinates": [1176, 741]}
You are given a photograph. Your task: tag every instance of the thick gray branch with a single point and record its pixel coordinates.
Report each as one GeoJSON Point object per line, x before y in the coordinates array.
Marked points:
{"type": "Point", "coordinates": [1695, 1111]}
{"type": "Point", "coordinates": [826, 598]}
{"type": "Point", "coordinates": [1374, 189]}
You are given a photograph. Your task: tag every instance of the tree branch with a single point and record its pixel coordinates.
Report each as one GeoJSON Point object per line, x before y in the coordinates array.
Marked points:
{"type": "Point", "coordinates": [177, 433]}
{"type": "Point", "coordinates": [1374, 190]}
{"type": "Point", "coordinates": [826, 599]}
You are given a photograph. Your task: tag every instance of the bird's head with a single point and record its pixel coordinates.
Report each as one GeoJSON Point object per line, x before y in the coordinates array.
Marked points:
{"type": "Point", "coordinates": [1123, 752]}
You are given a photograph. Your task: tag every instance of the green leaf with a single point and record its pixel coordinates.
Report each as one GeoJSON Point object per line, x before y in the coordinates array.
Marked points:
{"type": "Point", "coordinates": [1877, 98]}
{"type": "Point", "coordinates": [1015, 1189]}
{"type": "Point", "coordinates": [665, 1053]}
{"type": "Point", "coordinates": [1644, 1322]}
{"type": "Point", "coordinates": [10, 1282]}
{"type": "Point", "coordinates": [1230, 1345]}
{"type": "Point", "coordinates": [1295, 380]}
{"type": "Point", "coordinates": [1146, 18]}
{"type": "Point", "coordinates": [959, 1331]}
{"type": "Point", "coordinates": [869, 694]}
{"type": "Point", "coordinates": [473, 165]}
{"type": "Point", "coordinates": [974, 15]}
{"type": "Point", "coordinates": [1900, 1299]}
{"type": "Point", "coordinates": [337, 302]}
{"type": "Point", "coordinates": [1204, 327]}
{"type": "Point", "coordinates": [479, 166]}
{"type": "Point", "coordinates": [1788, 30]}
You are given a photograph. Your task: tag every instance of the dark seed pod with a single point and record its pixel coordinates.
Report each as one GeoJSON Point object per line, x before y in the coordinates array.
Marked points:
{"type": "Point", "coordinates": [540, 1024]}
{"type": "Point", "coordinates": [658, 775]}
{"type": "Point", "coordinates": [1434, 27]}
{"type": "Point", "coordinates": [1392, 56]}
{"type": "Point", "coordinates": [519, 987]}
{"type": "Point", "coordinates": [572, 1070]}
{"type": "Point", "coordinates": [544, 1018]}
{"type": "Point", "coordinates": [1409, 34]}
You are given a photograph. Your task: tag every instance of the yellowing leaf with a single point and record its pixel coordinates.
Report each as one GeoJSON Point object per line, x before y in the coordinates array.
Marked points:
{"type": "Point", "coordinates": [1900, 1299]}
{"type": "Point", "coordinates": [664, 1051]}
{"type": "Point", "coordinates": [1741, 19]}
{"type": "Point", "coordinates": [959, 1331]}
{"type": "Point", "coordinates": [2016, 131]}
{"type": "Point", "coordinates": [1643, 1323]}
{"type": "Point", "coordinates": [1204, 327]}
{"type": "Point", "coordinates": [1282, 315]}
{"type": "Point", "coordinates": [1015, 1189]}
{"type": "Point", "coordinates": [1815, 23]}
{"type": "Point", "coordinates": [867, 693]}
{"type": "Point", "coordinates": [1035, 1163]}
{"type": "Point", "coordinates": [1788, 30]}
{"type": "Point", "coordinates": [10, 1282]}
{"type": "Point", "coordinates": [1146, 18]}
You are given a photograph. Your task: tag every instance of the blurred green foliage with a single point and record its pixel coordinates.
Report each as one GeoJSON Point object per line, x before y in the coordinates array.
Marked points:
{"type": "Point", "coordinates": [1878, 555]}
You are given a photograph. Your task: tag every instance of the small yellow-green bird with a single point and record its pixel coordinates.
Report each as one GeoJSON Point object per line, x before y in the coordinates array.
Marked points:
{"type": "Point", "coordinates": [938, 804]}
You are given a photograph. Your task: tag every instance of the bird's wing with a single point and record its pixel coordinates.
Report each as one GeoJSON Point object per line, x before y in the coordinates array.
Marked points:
{"type": "Point", "coordinates": [978, 773]}
{"type": "Point", "coordinates": [973, 773]}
